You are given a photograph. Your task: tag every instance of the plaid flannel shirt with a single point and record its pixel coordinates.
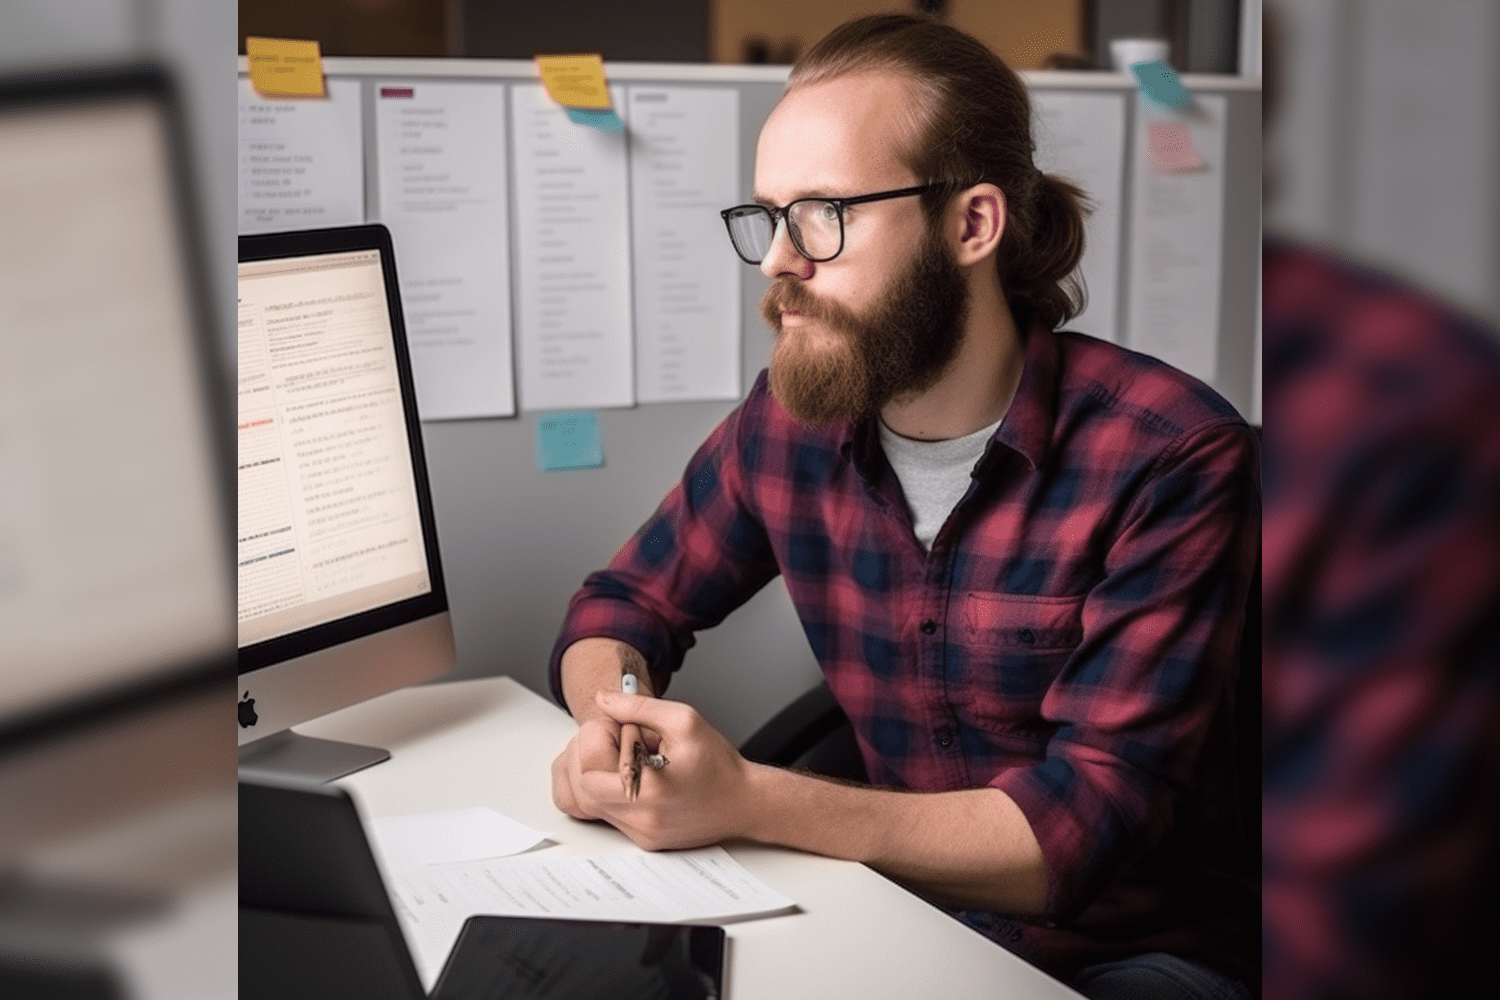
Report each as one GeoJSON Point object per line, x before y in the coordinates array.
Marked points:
{"type": "Point", "coordinates": [1071, 638]}
{"type": "Point", "coordinates": [1382, 637]}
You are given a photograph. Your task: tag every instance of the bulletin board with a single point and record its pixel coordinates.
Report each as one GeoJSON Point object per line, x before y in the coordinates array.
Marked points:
{"type": "Point", "coordinates": [550, 267]}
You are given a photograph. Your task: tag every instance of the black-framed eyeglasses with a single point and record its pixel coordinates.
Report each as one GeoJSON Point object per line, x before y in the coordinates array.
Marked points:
{"type": "Point", "coordinates": [816, 225]}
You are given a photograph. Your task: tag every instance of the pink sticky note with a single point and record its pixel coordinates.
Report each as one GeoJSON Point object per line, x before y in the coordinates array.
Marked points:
{"type": "Point", "coordinates": [1170, 145]}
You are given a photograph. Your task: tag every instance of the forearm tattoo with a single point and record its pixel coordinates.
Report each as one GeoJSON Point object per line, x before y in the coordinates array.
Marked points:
{"type": "Point", "coordinates": [632, 662]}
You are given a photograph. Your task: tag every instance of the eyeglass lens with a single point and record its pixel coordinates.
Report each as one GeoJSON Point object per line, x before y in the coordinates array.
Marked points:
{"type": "Point", "coordinates": [751, 230]}
{"type": "Point", "coordinates": [815, 225]}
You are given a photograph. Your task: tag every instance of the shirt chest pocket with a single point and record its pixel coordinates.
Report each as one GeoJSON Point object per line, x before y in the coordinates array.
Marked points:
{"type": "Point", "coordinates": [1014, 648]}
{"type": "Point", "coordinates": [1022, 624]}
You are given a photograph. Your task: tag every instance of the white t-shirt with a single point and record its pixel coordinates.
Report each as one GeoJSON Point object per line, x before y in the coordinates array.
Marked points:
{"type": "Point", "coordinates": [934, 475]}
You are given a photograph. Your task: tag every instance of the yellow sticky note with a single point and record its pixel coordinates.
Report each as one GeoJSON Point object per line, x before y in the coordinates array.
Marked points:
{"type": "Point", "coordinates": [575, 81]}
{"type": "Point", "coordinates": [281, 67]}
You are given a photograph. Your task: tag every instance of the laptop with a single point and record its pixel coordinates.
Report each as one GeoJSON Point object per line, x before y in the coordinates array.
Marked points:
{"type": "Point", "coordinates": [317, 921]}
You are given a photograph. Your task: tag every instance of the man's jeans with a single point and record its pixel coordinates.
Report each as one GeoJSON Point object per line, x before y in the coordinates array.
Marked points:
{"type": "Point", "coordinates": [1157, 976]}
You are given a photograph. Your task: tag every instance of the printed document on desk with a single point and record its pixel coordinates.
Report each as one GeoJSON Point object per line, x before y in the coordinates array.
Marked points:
{"type": "Point", "coordinates": [699, 886]}
{"type": "Point", "coordinates": [453, 835]}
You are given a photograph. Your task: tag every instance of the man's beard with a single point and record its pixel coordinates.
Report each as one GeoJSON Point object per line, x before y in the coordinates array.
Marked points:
{"type": "Point", "coordinates": [900, 347]}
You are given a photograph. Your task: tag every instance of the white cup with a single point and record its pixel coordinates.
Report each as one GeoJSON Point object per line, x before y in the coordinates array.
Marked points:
{"type": "Point", "coordinates": [1126, 52]}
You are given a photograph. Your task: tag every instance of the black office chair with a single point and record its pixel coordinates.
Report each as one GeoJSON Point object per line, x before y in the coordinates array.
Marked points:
{"type": "Point", "coordinates": [811, 733]}
{"type": "Point", "coordinates": [1247, 730]}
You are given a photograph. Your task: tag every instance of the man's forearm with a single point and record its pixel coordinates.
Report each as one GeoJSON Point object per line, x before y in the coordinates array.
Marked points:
{"type": "Point", "coordinates": [966, 848]}
{"type": "Point", "coordinates": [594, 664]}
{"type": "Point", "coordinates": [970, 848]}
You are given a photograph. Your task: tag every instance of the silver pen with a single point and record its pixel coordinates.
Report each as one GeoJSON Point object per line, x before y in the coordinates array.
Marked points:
{"type": "Point", "coordinates": [639, 758]}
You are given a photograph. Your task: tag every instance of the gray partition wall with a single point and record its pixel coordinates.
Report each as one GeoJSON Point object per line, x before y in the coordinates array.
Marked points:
{"type": "Point", "coordinates": [516, 541]}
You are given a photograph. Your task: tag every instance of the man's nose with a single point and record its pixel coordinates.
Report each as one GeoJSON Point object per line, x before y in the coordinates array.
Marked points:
{"type": "Point", "coordinates": [782, 257]}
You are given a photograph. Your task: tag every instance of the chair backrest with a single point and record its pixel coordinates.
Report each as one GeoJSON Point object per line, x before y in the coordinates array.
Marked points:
{"type": "Point", "coordinates": [811, 733]}
{"type": "Point", "coordinates": [1247, 728]}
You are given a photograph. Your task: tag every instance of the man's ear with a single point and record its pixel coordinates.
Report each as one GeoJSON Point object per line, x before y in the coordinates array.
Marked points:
{"type": "Point", "coordinates": [978, 220]}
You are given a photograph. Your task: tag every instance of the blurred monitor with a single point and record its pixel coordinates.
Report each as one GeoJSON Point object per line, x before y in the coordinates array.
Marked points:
{"type": "Point", "coordinates": [114, 558]}
{"type": "Point", "coordinates": [115, 584]}
{"type": "Point", "coordinates": [340, 588]}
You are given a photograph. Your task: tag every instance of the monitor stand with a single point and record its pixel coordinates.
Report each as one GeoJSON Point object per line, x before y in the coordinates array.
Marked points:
{"type": "Point", "coordinates": [291, 755]}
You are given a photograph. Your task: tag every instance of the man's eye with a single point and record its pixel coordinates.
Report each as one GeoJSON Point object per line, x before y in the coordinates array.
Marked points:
{"type": "Point", "coordinates": [828, 214]}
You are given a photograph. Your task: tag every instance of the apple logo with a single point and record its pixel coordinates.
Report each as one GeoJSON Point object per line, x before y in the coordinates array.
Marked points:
{"type": "Point", "coordinates": [248, 717]}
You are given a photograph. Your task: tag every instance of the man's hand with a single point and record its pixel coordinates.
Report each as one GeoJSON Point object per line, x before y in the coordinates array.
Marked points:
{"type": "Point", "coordinates": [701, 797]}
{"type": "Point", "coordinates": [971, 848]}
{"type": "Point", "coordinates": [595, 745]}
{"type": "Point", "coordinates": [588, 666]}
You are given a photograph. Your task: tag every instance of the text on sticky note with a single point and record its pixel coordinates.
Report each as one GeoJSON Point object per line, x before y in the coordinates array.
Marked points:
{"type": "Point", "coordinates": [575, 81]}
{"type": "Point", "coordinates": [1170, 145]}
{"type": "Point", "coordinates": [284, 67]}
{"type": "Point", "coordinates": [568, 441]}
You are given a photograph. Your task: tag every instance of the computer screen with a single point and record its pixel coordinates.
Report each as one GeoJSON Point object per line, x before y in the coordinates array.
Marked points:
{"type": "Point", "coordinates": [339, 580]}
{"type": "Point", "coordinates": [113, 564]}
{"type": "Point", "coordinates": [116, 595]}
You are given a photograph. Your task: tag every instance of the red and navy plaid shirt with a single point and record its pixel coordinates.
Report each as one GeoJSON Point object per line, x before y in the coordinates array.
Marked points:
{"type": "Point", "coordinates": [1071, 638]}
{"type": "Point", "coordinates": [1382, 638]}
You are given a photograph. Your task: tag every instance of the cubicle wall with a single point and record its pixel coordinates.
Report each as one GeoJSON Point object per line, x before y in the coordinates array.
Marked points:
{"type": "Point", "coordinates": [1172, 270]}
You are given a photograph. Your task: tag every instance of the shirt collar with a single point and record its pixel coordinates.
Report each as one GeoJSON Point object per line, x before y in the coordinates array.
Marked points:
{"type": "Point", "coordinates": [1028, 423]}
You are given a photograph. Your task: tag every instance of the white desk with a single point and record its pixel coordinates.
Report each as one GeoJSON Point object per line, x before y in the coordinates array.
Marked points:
{"type": "Point", "coordinates": [491, 742]}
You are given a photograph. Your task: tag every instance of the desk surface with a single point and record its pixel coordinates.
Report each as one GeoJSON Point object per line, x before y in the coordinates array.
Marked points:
{"type": "Point", "coordinates": [491, 742]}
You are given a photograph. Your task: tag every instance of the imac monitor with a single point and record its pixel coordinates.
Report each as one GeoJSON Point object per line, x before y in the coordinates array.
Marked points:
{"type": "Point", "coordinates": [115, 588]}
{"type": "Point", "coordinates": [115, 583]}
{"type": "Point", "coordinates": [340, 588]}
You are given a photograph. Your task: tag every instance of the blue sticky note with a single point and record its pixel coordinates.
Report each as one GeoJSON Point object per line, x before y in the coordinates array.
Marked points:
{"type": "Point", "coordinates": [1160, 83]}
{"type": "Point", "coordinates": [600, 118]}
{"type": "Point", "coordinates": [568, 441]}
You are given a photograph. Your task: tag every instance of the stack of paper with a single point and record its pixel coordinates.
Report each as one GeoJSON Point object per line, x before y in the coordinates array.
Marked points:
{"type": "Point", "coordinates": [435, 888]}
{"type": "Point", "coordinates": [436, 838]}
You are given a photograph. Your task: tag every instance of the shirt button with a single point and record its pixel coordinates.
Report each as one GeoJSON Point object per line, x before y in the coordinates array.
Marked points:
{"type": "Point", "coordinates": [1028, 636]}
{"type": "Point", "coordinates": [945, 739]}
{"type": "Point", "coordinates": [929, 627]}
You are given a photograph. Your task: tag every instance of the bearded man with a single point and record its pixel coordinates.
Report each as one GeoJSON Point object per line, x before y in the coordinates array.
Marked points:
{"type": "Point", "coordinates": [1020, 556]}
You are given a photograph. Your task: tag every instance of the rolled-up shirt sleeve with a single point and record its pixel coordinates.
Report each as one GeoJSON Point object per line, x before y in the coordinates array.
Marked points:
{"type": "Point", "coordinates": [697, 558]}
{"type": "Point", "coordinates": [1133, 703]}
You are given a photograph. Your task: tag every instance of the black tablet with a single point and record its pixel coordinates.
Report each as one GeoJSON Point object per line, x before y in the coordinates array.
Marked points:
{"type": "Point", "coordinates": [523, 958]}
